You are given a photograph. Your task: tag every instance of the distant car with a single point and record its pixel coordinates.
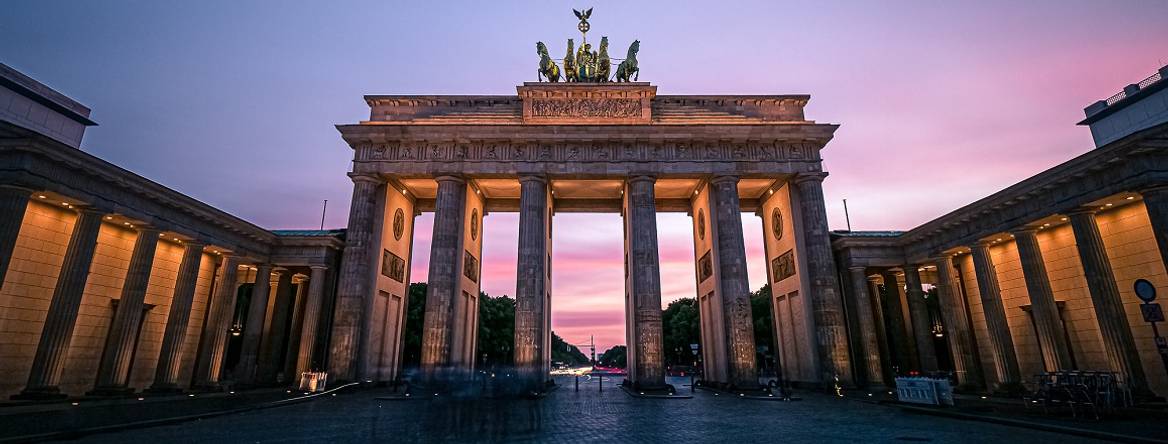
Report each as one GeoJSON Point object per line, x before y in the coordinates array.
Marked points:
{"type": "Point", "coordinates": [681, 370]}
{"type": "Point", "coordinates": [609, 371]}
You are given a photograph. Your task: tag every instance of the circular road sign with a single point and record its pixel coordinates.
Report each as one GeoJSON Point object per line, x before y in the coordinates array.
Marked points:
{"type": "Point", "coordinates": [1145, 290]}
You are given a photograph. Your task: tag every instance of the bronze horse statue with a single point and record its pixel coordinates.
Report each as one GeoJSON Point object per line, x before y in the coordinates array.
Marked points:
{"type": "Point", "coordinates": [570, 64]}
{"type": "Point", "coordinates": [547, 67]}
{"type": "Point", "coordinates": [628, 68]}
{"type": "Point", "coordinates": [604, 63]}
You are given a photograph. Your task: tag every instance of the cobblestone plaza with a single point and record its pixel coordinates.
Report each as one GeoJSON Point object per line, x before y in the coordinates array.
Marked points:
{"type": "Point", "coordinates": [587, 416]}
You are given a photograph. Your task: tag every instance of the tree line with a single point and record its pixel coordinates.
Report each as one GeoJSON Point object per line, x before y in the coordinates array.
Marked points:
{"type": "Point", "coordinates": [680, 324]}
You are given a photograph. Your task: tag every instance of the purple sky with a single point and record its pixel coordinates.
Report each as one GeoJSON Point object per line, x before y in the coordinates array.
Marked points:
{"type": "Point", "coordinates": [234, 103]}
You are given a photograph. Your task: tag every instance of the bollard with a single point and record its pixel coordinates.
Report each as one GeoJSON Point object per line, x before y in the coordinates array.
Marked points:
{"type": "Point", "coordinates": [691, 382]}
{"type": "Point", "coordinates": [601, 378]}
{"type": "Point", "coordinates": [577, 382]}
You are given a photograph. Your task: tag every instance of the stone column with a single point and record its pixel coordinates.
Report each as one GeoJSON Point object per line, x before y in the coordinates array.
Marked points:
{"type": "Point", "coordinates": [1001, 341]}
{"type": "Point", "coordinates": [733, 282]}
{"type": "Point", "coordinates": [883, 339]}
{"type": "Point", "coordinates": [62, 316]}
{"type": "Point", "coordinates": [353, 291]}
{"type": "Point", "coordinates": [1155, 202]}
{"type": "Point", "coordinates": [827, 308]}
{"type": "Point", "coordinates": [275, 334]}
{"type": "Point", "coordinates": [13, 202]}
{"type": "Point", "coordinates": [442, 289]}
{"type": "Point", "coordinates": [865, 319]}
{"type": "Point", "coordinates": [312, 307]}
{"type": "Point", "coordinates": [114, 371]}
{"type": "Point", "coordinates": [953, 313]}
{"type": "Point", "coordinates": [292, 349]}
{"type": "Point", "coordinates": [213, 342]}
{"type": "Point", "coordinates": [174, 337]}
{"type": "Point", "coordinates": [531, 286]}
{"type": "Point", "coordinates": [1118, 343]}
{"type": "Point", "coordinates": [894, 313]}
{"type": "Point", "coordinates": [921, 320]}
{"type": "Point", "coordinates": [645, 280]}
{"type": "Point", "coordinates": [1051, 335]}
{"type": "Point", "coordinates": [254, 327]}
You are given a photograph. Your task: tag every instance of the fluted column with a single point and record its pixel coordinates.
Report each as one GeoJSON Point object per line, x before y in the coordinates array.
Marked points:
{"type": "Point", "coordinates": [446, 253]}
{"type": "Point", "coordinates": [953, 313]}
{"type": "Point", "coordinates": [275, 335]}
{"type": "Point", "coordinates": [1051, 335]}
{"type": "Point", "coordinates": [57, 332]}
{"type": "Point", "coordinates": [883, 339]}
{"type": "Point", "coordinates": [827, 308]}
{"type": "Point", "coordinates": [293, 346]}
{"type": "Point", "coordinates": [213, 342]}
{"type": "Point", "coordinates": [13, 203]}
{"type": "Point", "coordinates": [254, 327]}
{"type": "Point", "coordinates": [1118, 343]}
{"type": "Point", "coordinates": [353, 290]}
{"type": "Point", "coordinates": [311, 318]}
{"type": "Point", "coordinates": [1156, 204]}
{"type": "Point", "coordinates": [174, 337]}
{"type": "Point", "coordinates": [921, 320]}
{"type": "Point", "coordinates": [531, 288]}
{"type": "Point", "coordinates": [726, 209]}
{"type": "Point", "coordinates": [645, 279]}
{"type": "Point", "coordinates": [114, 371]}
{"type": "Point", "coordinates": [894, 313]}
{"type": "Point", "coordinates": [867, 323]}
{"type": "Point", "coordinates": [1001, 341]}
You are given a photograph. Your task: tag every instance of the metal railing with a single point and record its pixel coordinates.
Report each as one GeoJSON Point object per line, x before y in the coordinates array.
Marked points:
{"type": "Point", "coordinates": [1143, 84]}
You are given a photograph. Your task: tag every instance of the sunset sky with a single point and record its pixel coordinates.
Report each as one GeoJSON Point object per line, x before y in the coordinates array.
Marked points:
{"type": "Point", "coordinates": [234, 103]}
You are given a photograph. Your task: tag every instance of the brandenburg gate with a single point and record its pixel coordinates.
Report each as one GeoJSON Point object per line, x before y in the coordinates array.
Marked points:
{"type": "Point", "coordinates": [586, 147]}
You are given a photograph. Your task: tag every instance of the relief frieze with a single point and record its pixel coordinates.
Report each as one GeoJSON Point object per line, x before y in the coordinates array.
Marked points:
{"type": "Point", "coordinates": [586, 152]}
{"type": "Point", "coordinates": [586, 108]}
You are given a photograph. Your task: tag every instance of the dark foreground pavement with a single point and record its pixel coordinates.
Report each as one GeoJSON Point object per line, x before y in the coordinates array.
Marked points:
{"type": "Point", "coordinates": [589, 415]}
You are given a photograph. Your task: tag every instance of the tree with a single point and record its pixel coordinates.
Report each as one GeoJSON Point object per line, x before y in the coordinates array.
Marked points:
{"type": "Point", "coordinates": [616, 356]}
{"type": "Point", "coordinates": [496, 342]}
{"type": "Point", "coordinates": [764, 326]}
{"type": "Point", "coordinates": [682, 327]}
{"type": "Point", "coordinates": [566, 353]}
{"type": "Point", "coordinates": [412, 333]}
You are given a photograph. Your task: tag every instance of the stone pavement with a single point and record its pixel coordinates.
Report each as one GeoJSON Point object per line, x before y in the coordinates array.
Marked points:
{"type": "Point", "coordinates": [585, 416]}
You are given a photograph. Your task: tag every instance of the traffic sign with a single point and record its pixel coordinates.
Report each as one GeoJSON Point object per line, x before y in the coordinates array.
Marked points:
{"type": "Point", "coordinates": [1152, 312]}
{"type": "Point", "coordinates": [1145, 290]}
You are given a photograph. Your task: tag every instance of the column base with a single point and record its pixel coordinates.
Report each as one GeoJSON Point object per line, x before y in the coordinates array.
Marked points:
{"type": "Point", "coordinates": [40, 394]}
{"type": "Point", "coordinates": [207, 388]}
{"type": "Point", "coordinates": [164, 389]}
{"type": "Point", "coordinates": [111, 392]}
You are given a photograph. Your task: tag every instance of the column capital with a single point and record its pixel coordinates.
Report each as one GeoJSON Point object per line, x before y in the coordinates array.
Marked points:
{"type": "Point", "coordinates": [367, 178]}
{"type": "Point", "coordinates": [195, 243]}
{"type": "Point", "coordinates": [449, 178]}
{"type": "Point", "coordinates": [1027, 230]}
{"type": "Point", "coordinates": [533, 178]}
{"type": "Point", "coordinates": [1083, 211]}
{"type": "Point", "coordinates": [816, 176]}
{"type": "Point", "coordinates": [724, 178]}
{"type": "Point", "coordinates": [318, 267]}
{"type": "Point", "coordinates": [641, 178]}
{"type": "Point", "coordinates": [143, 229]}
{"type": "Point", "coordinates": [1154, 189]}
{"type": "Point", "coordinates": [15, 189]}
{"type": "Point", "coordinates": [857, 268]}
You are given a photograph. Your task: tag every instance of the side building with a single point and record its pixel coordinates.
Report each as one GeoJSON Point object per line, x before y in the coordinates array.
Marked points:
{"type": "Point", "coordinates": [112, 283]}
{"type": "Point", "coordinates": [1035, 278]}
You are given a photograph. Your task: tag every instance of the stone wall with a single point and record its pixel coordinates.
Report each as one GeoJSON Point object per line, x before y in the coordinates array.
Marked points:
{"type": "Point", "coordinates": [28, 288]}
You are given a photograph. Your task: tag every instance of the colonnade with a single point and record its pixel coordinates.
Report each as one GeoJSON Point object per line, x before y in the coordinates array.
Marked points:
{"type": "Point", "coordinates": [118, 352]}
{"type": "Point", "coordinates": [1050, 330]}
{"type": "Point", "coordinates": [455, 260]}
